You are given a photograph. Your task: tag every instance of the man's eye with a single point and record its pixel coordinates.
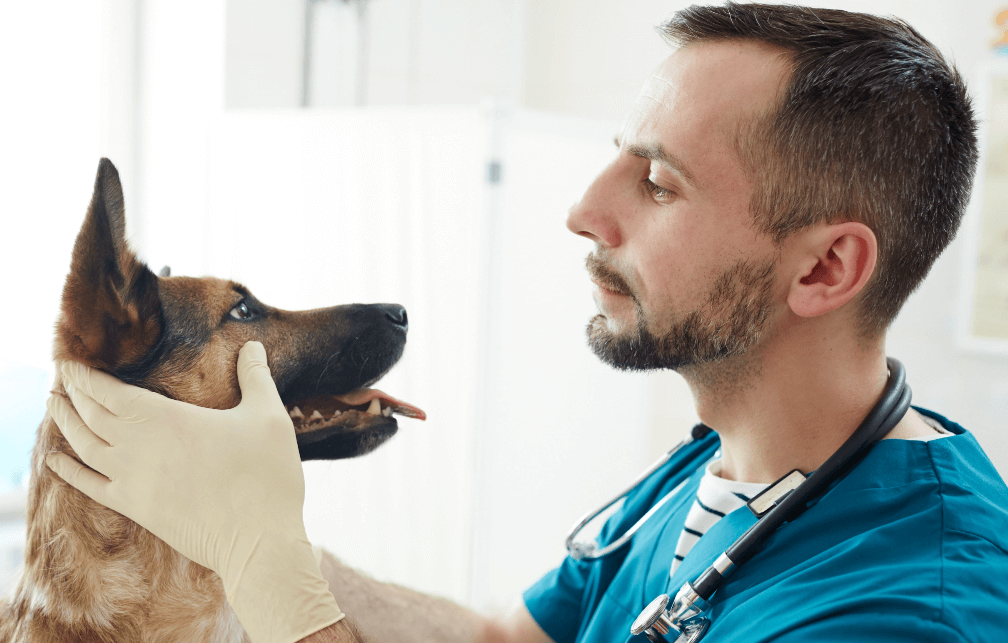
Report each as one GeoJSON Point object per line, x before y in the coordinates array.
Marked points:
{"type": "Point", "coordinates": [241, 311]}
{"type": "Point", "coordinates": [656, 190]}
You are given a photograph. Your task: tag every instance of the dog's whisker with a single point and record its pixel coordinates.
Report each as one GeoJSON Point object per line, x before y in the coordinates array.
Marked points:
{"type": "Point", "coordinates": [362, 366]}
{"type": "Point", "coordinates": [324, 369]}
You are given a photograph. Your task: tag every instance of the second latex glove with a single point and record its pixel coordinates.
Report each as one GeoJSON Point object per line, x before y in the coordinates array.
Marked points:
{"type": "Point", "coordinates": [223, 488]}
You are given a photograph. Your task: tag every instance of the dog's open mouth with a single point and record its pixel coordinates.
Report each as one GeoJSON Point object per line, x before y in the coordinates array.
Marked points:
{"type": "Point", "coordinates": [323, 410]}
{"type": "Point", "coordinates": [333, 426]}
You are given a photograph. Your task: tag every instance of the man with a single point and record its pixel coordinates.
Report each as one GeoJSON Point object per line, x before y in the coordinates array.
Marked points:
{"type": "Point", "coordinates": [786, 179]}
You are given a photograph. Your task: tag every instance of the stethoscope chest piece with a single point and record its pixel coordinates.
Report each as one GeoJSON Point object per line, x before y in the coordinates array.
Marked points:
{"type": "Point", "coordinates": [653, 620]}
{"type": "Point", "coordinates": [684, 618]}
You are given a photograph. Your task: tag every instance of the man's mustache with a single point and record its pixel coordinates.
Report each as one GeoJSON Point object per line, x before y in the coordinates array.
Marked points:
{"type": "Point", "coordinates": [606, 276]}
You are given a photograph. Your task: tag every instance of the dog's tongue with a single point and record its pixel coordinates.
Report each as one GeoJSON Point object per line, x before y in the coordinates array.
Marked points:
{"type": "Point", "coordinates": [365, 395]}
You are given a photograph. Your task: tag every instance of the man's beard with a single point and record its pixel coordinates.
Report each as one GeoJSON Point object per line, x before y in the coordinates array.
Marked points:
{"type": "Point", "coordinates": [728, 324]}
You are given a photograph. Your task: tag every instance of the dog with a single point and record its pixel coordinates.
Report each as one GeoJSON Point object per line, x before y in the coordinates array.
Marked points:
{"type": "Point", "coordinates": [92, 575]}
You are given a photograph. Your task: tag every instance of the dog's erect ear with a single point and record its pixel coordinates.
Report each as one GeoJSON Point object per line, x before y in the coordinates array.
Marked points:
{"type": "Point", "coordinates": [111, 311]}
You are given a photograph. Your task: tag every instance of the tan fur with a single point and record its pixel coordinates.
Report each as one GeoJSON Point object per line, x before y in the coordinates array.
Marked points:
{"type": "Point", "coordinates": [93, 575]}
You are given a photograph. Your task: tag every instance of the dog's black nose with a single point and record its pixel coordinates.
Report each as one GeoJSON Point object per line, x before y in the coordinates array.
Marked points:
{"type": "Point", "coordinates": [397, 315]}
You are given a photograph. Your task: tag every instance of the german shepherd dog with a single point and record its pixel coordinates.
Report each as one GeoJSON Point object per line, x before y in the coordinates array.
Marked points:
{"type": "Point", "coordinates": [92, 575]}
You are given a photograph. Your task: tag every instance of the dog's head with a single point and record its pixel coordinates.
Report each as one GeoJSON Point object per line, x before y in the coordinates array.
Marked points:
{"type": "Point", "coordinates": [180, 336]}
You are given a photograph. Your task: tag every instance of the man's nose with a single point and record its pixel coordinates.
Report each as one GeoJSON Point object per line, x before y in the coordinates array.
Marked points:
{"type": "Point", "coordinates": [594, 216]}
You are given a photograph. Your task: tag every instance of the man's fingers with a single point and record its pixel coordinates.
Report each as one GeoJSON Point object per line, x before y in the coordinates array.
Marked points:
{"type": "Point", "coordinates": [254, 377]}
{"type": "Point", "coordinates": [113, 394]}
{"type": "Point", "coordinates": [91, 484]}
{"type": "Point", "coordinates": [95, 416]}
{"type": "Point", "coordinates": [89, 447]}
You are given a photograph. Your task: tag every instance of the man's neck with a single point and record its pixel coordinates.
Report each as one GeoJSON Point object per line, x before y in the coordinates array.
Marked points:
{"type": "Point", "coordinates": [791, 403]}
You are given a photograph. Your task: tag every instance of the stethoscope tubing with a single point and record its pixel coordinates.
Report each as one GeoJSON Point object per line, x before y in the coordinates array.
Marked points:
{"type": "Point", "coordinates": [590, 551]}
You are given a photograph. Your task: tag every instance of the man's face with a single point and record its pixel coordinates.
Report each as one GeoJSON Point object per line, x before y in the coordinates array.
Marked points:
{"type": "Point", "coordinates": [682, 276]}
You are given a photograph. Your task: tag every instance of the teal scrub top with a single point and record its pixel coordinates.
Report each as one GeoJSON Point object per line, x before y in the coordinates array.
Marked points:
{"type": "Point", "coordinates": [911, 546]}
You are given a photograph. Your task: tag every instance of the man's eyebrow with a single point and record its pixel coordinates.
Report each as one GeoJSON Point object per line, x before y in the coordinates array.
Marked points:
{"type": "Point", "coordinates": [658, 153]}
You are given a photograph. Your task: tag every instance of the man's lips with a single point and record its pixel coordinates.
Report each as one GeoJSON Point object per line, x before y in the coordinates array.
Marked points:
{"type": "Point", "coordinates": [609, 289]}
{"type": "Point", "coordinates": [605, 278]}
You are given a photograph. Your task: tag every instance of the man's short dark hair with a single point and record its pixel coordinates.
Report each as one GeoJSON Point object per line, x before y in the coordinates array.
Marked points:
{"type": "Point", "coordinates": [873, 126]}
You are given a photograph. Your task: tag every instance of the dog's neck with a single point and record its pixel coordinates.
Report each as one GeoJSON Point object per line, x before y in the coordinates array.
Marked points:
{"type": "Point", "coordinates": [88, 568]}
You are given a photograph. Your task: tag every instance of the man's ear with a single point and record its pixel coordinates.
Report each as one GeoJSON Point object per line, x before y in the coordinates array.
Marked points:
{"type": "Point", "coordinates": [834, 264]}
{"type": "Point", "coordinates": [111, 311]}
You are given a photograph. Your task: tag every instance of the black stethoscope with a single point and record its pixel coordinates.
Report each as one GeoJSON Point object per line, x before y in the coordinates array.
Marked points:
{"type": "Point", "coordinates": [781, 502]}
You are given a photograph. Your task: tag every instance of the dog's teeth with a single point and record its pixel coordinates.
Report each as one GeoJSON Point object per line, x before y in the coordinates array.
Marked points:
{"type": "Point", "coordinates": [375, 408]}
{"type": "Point", "coordinates": [336, 413]}
{"type": "Point", "coordinates": [387, 411]}
{"type": "Point", "coordinates": [296, 414]}
{"type": "Point", "coordinates": [316, 416]}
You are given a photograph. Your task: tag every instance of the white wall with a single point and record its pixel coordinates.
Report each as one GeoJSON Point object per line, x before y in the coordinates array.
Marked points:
{"type": "Point", "coordinates": [180, 96]}
{"type": "Point", "coordinates": [51, 132]}
{"type": "Point", "coordinates": [590, 57]}
{"type": "Point", "coordinates": [264, 50]}
{"type": "Point", "coordinates": [416, 52]}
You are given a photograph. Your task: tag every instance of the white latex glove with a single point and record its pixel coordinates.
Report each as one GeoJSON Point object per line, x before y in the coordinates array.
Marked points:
{"type": "Point", "coordinates": [224, 488]}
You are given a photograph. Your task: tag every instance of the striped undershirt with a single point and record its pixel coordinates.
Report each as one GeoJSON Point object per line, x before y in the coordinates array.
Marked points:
{"type": "Point", "coordinates": [715, 499]}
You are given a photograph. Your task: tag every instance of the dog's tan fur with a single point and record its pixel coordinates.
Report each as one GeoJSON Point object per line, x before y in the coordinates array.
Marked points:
{"type": "Point", "coordinates": [90, 574]}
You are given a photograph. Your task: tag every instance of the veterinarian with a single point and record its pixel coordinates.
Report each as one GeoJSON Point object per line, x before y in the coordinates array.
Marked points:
{"type": "Point", "coordinates": [786, 179]}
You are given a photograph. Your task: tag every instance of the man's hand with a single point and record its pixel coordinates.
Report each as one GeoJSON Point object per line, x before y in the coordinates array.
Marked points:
{"type": "Point", "coordinates": [224, 488]}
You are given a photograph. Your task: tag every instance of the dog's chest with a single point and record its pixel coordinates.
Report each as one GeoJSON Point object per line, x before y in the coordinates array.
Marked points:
{"type": "Point", "coordinates": [218, 624]}
{"type": "Point", "coordinates": [37, 627]}
{"type": "Point", "coordinates": [39, 624]}
{"type": "Point", "coordinates": [188, 604]}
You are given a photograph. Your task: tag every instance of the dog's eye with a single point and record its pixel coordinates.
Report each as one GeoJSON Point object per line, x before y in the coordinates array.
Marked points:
{"type": "Point", "coordinates": [241, 311]}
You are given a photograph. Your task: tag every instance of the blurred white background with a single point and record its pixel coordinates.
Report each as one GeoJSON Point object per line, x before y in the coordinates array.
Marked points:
{"type": "Point", "coordinates": [423, 152]}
